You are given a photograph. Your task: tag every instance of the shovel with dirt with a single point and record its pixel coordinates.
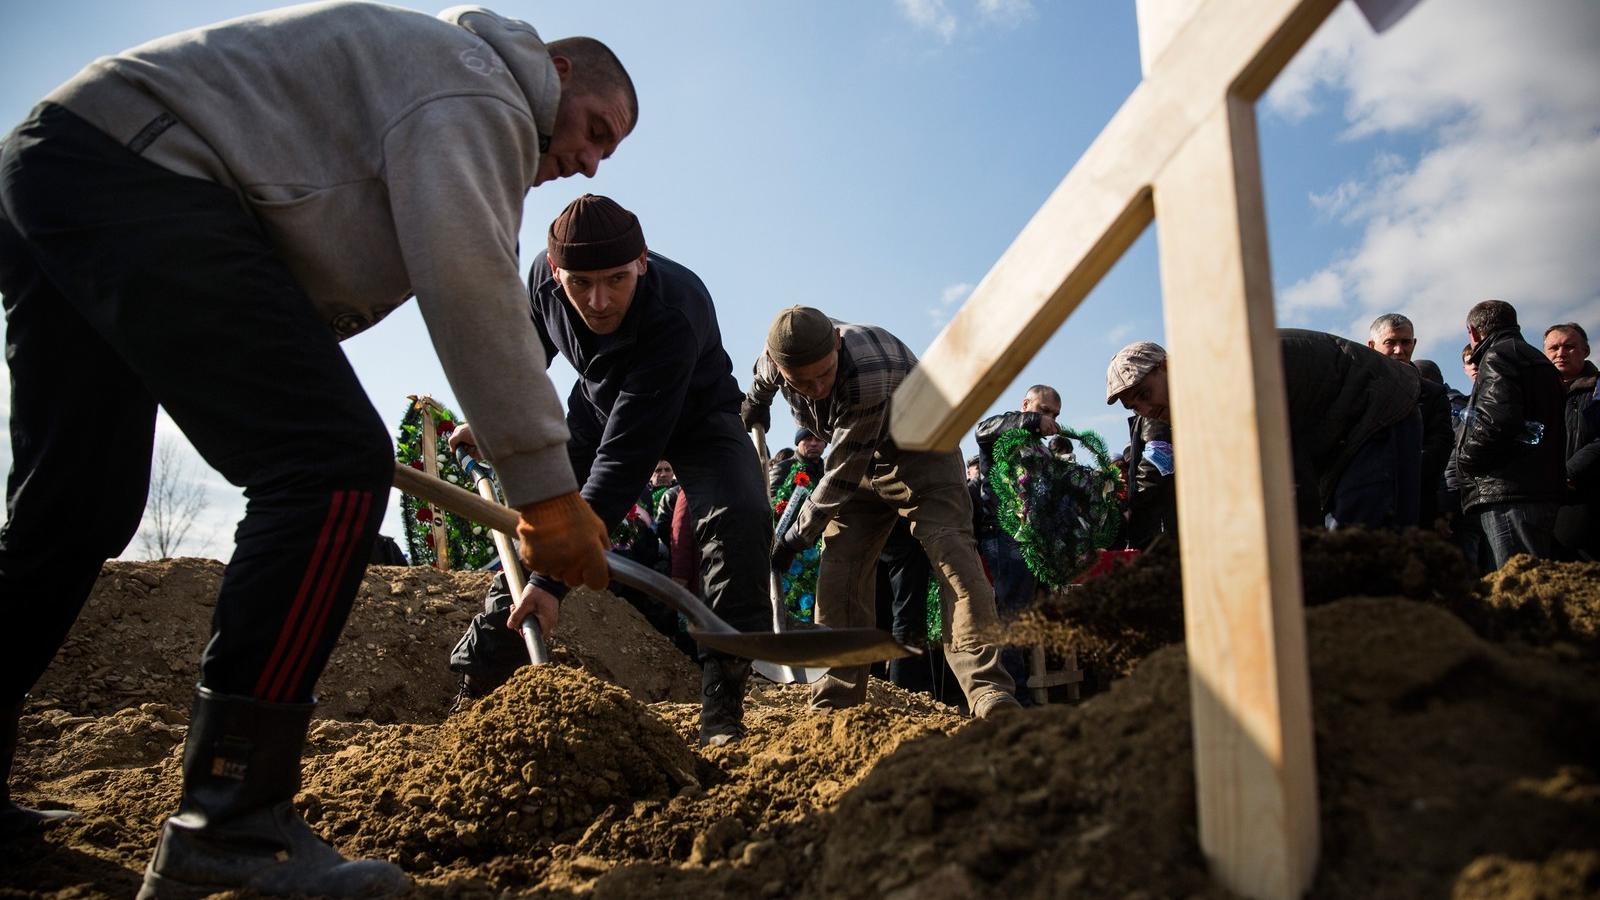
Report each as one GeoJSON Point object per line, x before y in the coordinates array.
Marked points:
{"type": "Point", "coordinates": [820, 647]}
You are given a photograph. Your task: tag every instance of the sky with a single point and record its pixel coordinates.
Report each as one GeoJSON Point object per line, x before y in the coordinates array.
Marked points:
{"type": "Point", "coordinates": [874, 158]}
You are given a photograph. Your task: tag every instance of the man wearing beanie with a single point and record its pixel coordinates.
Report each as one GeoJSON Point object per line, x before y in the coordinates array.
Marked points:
{"type": "Point", "coordinates": [838, 379]}
{"type": "Point", "coordinates": [196, 223]}
{"type": "Point", "coordinates": [654, 384]}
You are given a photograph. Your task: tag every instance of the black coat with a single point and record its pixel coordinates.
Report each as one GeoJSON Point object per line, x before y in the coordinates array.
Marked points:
{"type": "Point", "coordinates": [1438, 438]}
{"type": "Point", "coordinates": [1583, 442]}
{"type": "Point", "coordinates": [1516, 386]}
{"type": "Point", "coordinates": [1152, 497]}
{"type": "Point", "coordinates": [663, 370]}
{"type": "Point", "coordinates": [1340, 394]}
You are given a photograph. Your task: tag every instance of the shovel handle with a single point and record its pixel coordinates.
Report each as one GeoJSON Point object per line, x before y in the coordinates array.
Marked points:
{"type": "Point", "coordinates": [460, 501]}
{"type": "Point", "coordinates": [506, 548]}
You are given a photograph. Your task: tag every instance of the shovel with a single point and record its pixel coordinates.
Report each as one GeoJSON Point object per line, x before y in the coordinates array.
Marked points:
{"type": "Point", "coordinates": [822, 647]}
{"type": "Point", "coordinates": [483, 477]}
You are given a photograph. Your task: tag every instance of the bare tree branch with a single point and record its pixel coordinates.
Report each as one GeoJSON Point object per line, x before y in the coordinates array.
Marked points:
{"type": "Point", "coordinates": [176, 500]}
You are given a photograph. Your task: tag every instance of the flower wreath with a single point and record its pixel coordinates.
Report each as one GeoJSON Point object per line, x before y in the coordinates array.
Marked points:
{"type": "Point", "coordinates": [471, 545]}
{"type": "Point", "coordinates": [799, 584]}
{"type": "Point", "coordinates": [633, 527]}
{"type": "Point", "coordinates": [1059, 511]}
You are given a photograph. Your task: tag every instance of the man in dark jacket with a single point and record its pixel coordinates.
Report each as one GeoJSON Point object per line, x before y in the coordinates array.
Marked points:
{"type": "Point", "coordinates": [1354, 429]}
{"type": "Point", "coordinates": [1393, 335]}
{"type": "Point", "coordinates": [654, 384]}
{"type": "Point", "coordinates": [1149, 481]}
{"type": "Point", "coordinates": [1578, 521]}
{"type": "Point", "coordinates": [1510, 453]}
{"type": "Point", "coordinates": [1014, 583]}
{"type": "Point", "coordinates": [807, 450]}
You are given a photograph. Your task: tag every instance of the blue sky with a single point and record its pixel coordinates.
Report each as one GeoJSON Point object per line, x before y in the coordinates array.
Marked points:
{"type": "Point", "coordinates": [874, 158]}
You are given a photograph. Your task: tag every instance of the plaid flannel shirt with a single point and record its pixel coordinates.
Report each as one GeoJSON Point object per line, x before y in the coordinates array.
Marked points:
{"type": "Point", "coordinates": [853, 418]}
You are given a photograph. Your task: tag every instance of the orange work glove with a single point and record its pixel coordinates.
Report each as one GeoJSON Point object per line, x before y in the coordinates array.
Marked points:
{"type": "Point", "coordinates": [563, 538]}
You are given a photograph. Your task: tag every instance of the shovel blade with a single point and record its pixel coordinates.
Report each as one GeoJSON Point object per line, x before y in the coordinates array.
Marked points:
{"type": "Point", "coordinates": [816, 647]}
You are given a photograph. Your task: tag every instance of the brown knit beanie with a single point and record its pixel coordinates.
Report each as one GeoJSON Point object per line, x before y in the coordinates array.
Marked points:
{"type": "Point", "coordinates": [800, 336]}
{"type": "Point", "coordinates": [594, 233]}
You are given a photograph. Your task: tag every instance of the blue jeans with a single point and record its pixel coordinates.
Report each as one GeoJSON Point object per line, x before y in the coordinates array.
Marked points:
{"type": "Point", "coordinates": [1513, 528]}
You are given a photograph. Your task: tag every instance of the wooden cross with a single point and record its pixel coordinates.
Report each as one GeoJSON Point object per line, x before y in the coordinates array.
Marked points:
{"type": "Point", "coordinates": [1183, 149]}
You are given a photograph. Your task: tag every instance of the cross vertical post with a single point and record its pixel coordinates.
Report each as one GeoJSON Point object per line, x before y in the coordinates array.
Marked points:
{"type": "Point", "coordinates": [1250, 694]}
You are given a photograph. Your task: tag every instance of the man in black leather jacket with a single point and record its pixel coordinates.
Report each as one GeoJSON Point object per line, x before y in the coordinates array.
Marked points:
{"type": "Point", "coordinates": [1510, 452]}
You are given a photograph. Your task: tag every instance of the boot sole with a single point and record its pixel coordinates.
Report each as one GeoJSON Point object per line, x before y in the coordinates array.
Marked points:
{"type": "Point", "coordinates": [156, 887]}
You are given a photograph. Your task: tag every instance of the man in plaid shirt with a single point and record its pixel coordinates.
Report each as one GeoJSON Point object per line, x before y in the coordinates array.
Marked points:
{"type": "Point", "coordinates": [838, 379]}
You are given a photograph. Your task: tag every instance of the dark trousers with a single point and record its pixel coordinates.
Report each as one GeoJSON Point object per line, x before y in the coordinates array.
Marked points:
{"type": "Point", "coordinates": [1014, 589]}
{"type": "Point", "coordinates": [716, 464]}
{"type": "Point", "coordinates": [904, 576]}
{"type": "Point", "coordinates": [126, 286]}
{"type": "Point", "coordinates": [1382, 484]}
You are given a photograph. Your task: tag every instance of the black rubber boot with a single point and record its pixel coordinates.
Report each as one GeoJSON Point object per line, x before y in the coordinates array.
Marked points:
{"type": "Point", "coordinates": [16, 821]}
{"type": "Point", "coordinates": [236, 825]}
{"type": "Point", "coordinates": [722, 683]}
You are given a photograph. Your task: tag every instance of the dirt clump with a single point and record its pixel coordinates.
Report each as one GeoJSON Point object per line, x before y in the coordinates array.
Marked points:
{"type": "Point", "coordinates": [1454, 758]}
{"type": "Point", "coordinates": [529, 765]}
{"type": "Point", "coordinates": [1543, 603]}
{"type": "Point", "coordinates": [1445, 765]}
{"type": "Point", "coordinates": [1114, 621]}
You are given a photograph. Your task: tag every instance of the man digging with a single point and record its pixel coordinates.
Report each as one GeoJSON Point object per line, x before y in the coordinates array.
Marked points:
{"type": "Point", "coordinates": [655, 384]}
{"type": "Point", "coordinates": [196, 223]}
{"type": "Point", "coordinates": [838, 379]}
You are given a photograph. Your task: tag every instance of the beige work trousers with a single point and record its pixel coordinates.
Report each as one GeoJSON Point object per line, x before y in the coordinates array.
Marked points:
{"type": "Point", "coordinates": [930, 490]}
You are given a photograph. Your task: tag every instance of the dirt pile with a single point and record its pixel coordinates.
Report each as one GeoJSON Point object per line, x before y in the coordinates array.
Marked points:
{"type": "Point", "coordinates": [1543, 603]}
{"type": "Point", "coordinates": [1444, 763]}
{"type": "Point", "coordinates": [1453, 760]}
{"type": "Point", "coordinates": [1114, 621]}
{"type": "Point", "coordinates": [530, 765]}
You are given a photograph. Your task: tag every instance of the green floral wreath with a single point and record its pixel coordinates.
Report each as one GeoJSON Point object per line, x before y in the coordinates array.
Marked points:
{"type": "Point", "coordinates": [471, 545]}
{"type": "Point", "coordinates": [799, 583]}
{"type": "Point", "coordinates": [1059, 511]}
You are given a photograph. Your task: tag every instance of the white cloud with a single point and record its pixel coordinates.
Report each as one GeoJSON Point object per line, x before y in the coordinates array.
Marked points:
{"type": "Point", "coordinates": [1118, 335]}
{"type": "Point", "coordinates": [1005, 12]}
{"type": "Point", "coordinates": [1504, 199]}
{"type": "Point", "coordinates": [935, 16]}
{"type": "Point", "coordinates": [949, 299]}
{"type": "Point", "coordinates": [930, 15]}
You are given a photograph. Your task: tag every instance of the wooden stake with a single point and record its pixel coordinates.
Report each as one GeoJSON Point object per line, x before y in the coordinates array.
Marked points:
{"type": "Point", "coordinates": [1183, 147]}
{"type": "Point", "coordinates": [1245, 629]}
{"type": "Point", "coordinates": [430, 465]}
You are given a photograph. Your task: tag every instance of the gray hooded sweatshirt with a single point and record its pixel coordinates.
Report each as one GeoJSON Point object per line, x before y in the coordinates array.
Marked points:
{"type": "Point", "coordinates": [386, 154]}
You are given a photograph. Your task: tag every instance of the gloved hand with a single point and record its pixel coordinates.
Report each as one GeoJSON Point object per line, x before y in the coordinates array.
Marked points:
{"type": "Point", "coordinates": [785, 549]}
{"type": "Point", "coordinates": [752, 414]}
{"type": "Point", "coordinates": [563, 538]}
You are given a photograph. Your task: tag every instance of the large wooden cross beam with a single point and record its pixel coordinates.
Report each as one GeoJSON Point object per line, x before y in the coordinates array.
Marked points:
{"type": "Point", "coordinates": [1183, 149]}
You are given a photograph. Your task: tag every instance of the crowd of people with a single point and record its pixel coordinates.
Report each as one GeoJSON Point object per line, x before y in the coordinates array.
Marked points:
{"type": "Point", "coordinates": [160, 244]}
{"type": "Point", "coordinates": [1379, 440]}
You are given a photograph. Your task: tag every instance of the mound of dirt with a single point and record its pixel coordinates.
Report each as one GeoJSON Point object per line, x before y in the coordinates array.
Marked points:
{"type": "Point", "coordinates": [139, 639]}
{"type": "Point", "coordinates": [1115, 621]}
{"type": "Point", "coordinates": [1543, 603]}
{"type": "Point", "coordinates": [1453, 759]}
{"type": "Point", "coordinates": [529, 765]}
